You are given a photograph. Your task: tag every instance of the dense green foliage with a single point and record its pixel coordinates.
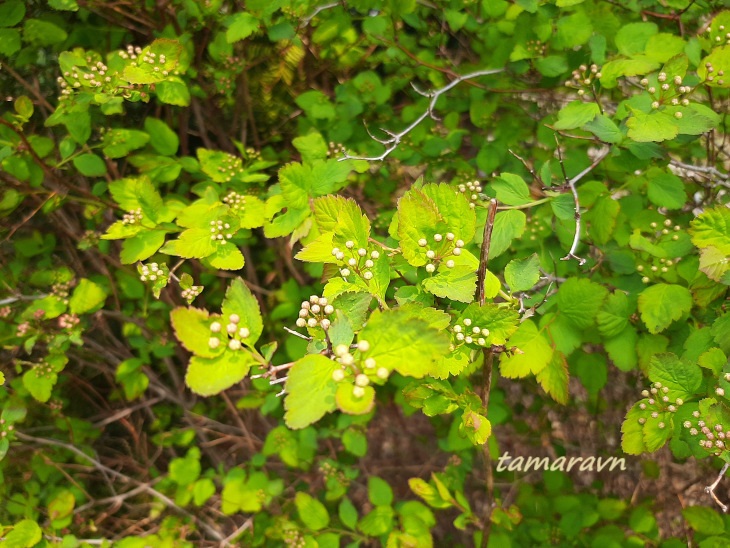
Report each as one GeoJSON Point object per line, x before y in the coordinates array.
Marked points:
{"type": "Point", "coordinates": [271, 272]}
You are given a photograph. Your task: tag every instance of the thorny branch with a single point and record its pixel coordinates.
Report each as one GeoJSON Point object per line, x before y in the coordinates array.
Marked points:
{"type": "Point", "coordinates": [395, 138]}
{"type": "Point", "coordinates": [570, 183]}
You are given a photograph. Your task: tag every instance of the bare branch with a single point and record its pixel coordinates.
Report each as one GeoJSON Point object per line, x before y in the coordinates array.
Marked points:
{"type": "Point", "coordinates": [711, 488]}
{"type": "Point", "coordinates": [723, 179]}
{"type": "Point", "coordinates": [395, 139]}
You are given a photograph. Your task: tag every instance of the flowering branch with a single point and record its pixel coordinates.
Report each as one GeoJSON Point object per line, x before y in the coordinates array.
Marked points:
{"type": "Point", "coordinates": [395, 139]}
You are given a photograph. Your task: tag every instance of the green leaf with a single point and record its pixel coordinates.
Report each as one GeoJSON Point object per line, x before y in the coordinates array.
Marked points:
{"type": "Point", "coordinates": [9, 43]}
{"type": "Point", "coordinates": [534, 352]}
{"type": "Point", "coordinates": [475, 427]}
{"type": "Point", "coordinates": [712, 229]}
{"type": "Point", "coordinates": [162, 138]}
{"type": "Point", "coordinates": [132, 378]}
{"type": "Point", "coordinates": [681, 377]}
{"type": "Point", "coordinates": [142, 246]}
{"type": "Point", "coordinates": [719, 59]}
{"type": "Point", "coordinates": [501, 322]}
{"type": "Point", "coordinates": [580, 300]}
{"type": "Point", "coordinates": [62, 505]}
{"type": "Point", "coordinates": [402, 343]}
{"type": "Point", "coordinates": [379, 491]}
{"type": "Point", "coordinates": [554, 378]}
{"type": "Point", "coordinates": [704, 520]}
{"type": "Point", "coordinates": [605, 129]}
{"type": "Point", "coordinates": [24, 534]}
{"type": "Point", "coordinates": [240, 26]}
{"type": "Point", "coordinates": [11, 13]}
{"type": "Point", "coordinates": [511, 189]}
{"type": "Point", "coordinates": [661, 304]}
{"type": "Point", "coordinates": [87, 297]}
{"type": "Point", "coordinates": [310, 390]}
{"type": "Point", "coordinates": [311, 146]}
{"type": "Point", "coordinates": [137, 193]}
{"type": "Point", "coordinates": [349, 403]}
{"type": "Point", "coordinates": [90, 165]}
{"type": "Point", "coordinates": [118, 143]}
{"type": "Point", "coordinates": [418, 218]}
{"type": "Point", "coordinates": [602, 218]}
{"type": "Point", "coordinates": [576, 114]}
{"type": "Point", "coordinates": [378, 522]}
{"type": "Point", "coordinates": [508, 225]}
{"type": "Point", "coordinates": [522, 274]}
{"type": "Point", "coordinates": [714, 263]}
{"type": "Point", "coordinates": [632, 432]}
{"type": "Point", "coordinates": [316, 105]}
{"type": "Point", "coordinates": [192, 329]}
{"type": "Point", "coordinates": [185, 471]}
{"type": "Point", "coordinates": [453, 207]}
{"type": "Point", "coordinates": [696, 119]}
{"type": "Point", "coordinates": [210, 376]}
{"type": "Point", "coordinates": [633, 37]}
{"type": "Point", "coordinates": [39, 381]}
{"type": "Point", "coordinates": [194, 243]}
{"type": "Point", "coordinates": [656, 126]}
{"type": "Point", "coordinates": [173, 91]}
{"type": "Point", "coordinates": [665, 189]}
{"type": "Point", "coordinates": [226, 257]}
{"type": "Point", "coordinates": [457, 283]}
{"type": "Point", "coordinates": [614, 316]}
{"type": "Point", "coordinates": [239, 300]}
{"type": "Point", "coordinates": [312, 513]}
{"type": "Point", "coordinates": [64, 5]}
{"type": "Point", "coordinates": [347, 513]}
{"type": "Point", "coordinates": [43, 33]}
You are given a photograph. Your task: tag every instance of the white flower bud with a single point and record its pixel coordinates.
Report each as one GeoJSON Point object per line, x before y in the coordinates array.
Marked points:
{"type": "Point", "coordinates": [467, 322]}
{"type": "Point", "coordinates": [362, 252]}
{"type": "Point", "coordinates": [325, 323]}
{"type": "Point", "coordinates": [422, 242]}
{"type": "Point", "coordinates": [362, 380]}
{"type": "Point", "coordinates": [352, 261]}
{"type": "Point", "coordinates": [338, 375]}
{"type": "Point", "coordinates": [645, 393]}
{"type": "Point", "coordinates": [370, 363]}
{"type": "Point", "coordinates": [430, 253]}
{"type": "Point", "coordinates": [485, 331]}
{"type": "Point", "coordinates": [231, 328]}
{"type": "Point", "coordinates": [660, 425]}
{"type": "Point", "coordinates": [303, 313]}
{"type": "Point", "coordinates": [438, 237]}
{"type": "Point", "coordinates": [476, 330]}
{"type": "Point", "coordinates": [215, 327]}
{"type": "Point", "coordinates": [358, 391]}
{"type": "Point", "coordinates": [315, 309]}
{"type": "Point", "coordinates": [349, 244]}
{"type": "Point", "coordinates": [459, 243]}
{"type": "Point", "coordinates": [687, 424]}
{"type": "Point", "coordinates": [720, 391]}
{"type": "Point", "coordinates": [468, 339]}
{"type": "Point", "coordinates": [314, 299]}
{"type": "Point", "coordinates": [329, 309]}
{"type": "Point", "coordinates": [213, 342]}
{"type": "Point", "coordinates": [369, 264]}
{"type": "Point", "coordinates": [654, 415]}
{"type": "Point", "coordinates": [305, 305]}
{"type": "Point", "coordinates": [375, 255]}
{"type": "Point", "coordinates": [382, 373]}
{"type": "Point", "coordinates": [301, 322]}
{"type": "Point", "coordinates": [312, 322]}
{"type": "Point", "coordinates": [347, 359]}
{"type": "Point", "coordinates": [459, 336]}
{"type": "Point", "coordinates": [457, 328]}
{"type": "Point", "coordinates": [345, 272]}
{"type": "Point", "coordinates": [234, 318]}
{"type": "Point", "coordinates": [481, 341]}
{"type": "Point", "coordinates": [368, 275]}
{"type": "Point", "coordinates": [234, 344]}
{"type": "Point", "coordinates": [679, 401]}
{"type": "Point", "coordinates": [430, 268]}
{"type": "Point", "coordinates": [335, 251]}
{"type": "Point", "coordinates": [363, 346]}
{"type": "Point", "coordinates": [450, 264]}
{"type": "Point", "coordinates": [341, 349]}
{"type": "Point", "coordinates": [457, 251]}
{"type": "Point", "coordinates": [340, 256]}
{"type": "Point", "coordinates": [244, 333]}
{"type": "Point", "coordinates": [450, 236]}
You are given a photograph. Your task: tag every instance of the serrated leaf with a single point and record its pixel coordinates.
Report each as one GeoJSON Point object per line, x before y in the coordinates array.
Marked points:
{"type": "Point", "coordinates": [665, 189]}
{"type": "Point", "coordinates": [554, 378]}
{"type": "Point", "coordinates": [310, 390]}
{"type": "Point", "coordinates": [653, 127]}
{"type": "Point", "coordinates": [522, 274]}
{"type": "Point", "coordinates": [142, 246]}
{"type": "Point", "coordinates": [226, 257]}
{"type": "Point", "coordinates": [614, 315]}
{"type": "Point", "coordinates": [632, 432]}
{"type": "Point", "coordinates": [210, 376]}
{"type": "Point", "coordinates": [453, 207]}
{"type": "Point", "coordinates": [418, 217]}
{"type": "Point", "coordinates": [137, 193]}
{"type": "Point", "coordinates": [580, 300]}
{"type": "Point", "coordinates": [240, 26]}
{"type": "Point", "coordinates": [501, 322]}
{"type": "Point", "coordinates": [508, 225]}
{"type": "Point", "coordinates": [457, 283]}
{"type": "Point", "coordinates": [576, 114]}
{"type": "Point", "coordinates": [239, 300]}
{"type": "Point", "coordinates": [712, 228]}
{"type": "Point", "coordinates": [681, 377]}
{"type": "Point", "coordinates": [24, 534]}
{"type": "Point", "coordinates": [87, 297]}
{"type": "Point", "coordinates": [714, 263]}
{"type": "Point", "coordinates": [192, 329]}
{"type": "Point", "coordinates": [313, 513]}
{"type": "Point", "coordinates": [605, 129]}
{"type": "Point", "coordinates": [536, 352]}
{"type": "Point", "coordinates": [193, 243]}
{"type": "Point", "coordinates": [40, 382]}
{"type": "Point", "coordinates": [661, 304]}
{"type": "Point", "coordinates": [402, 343]}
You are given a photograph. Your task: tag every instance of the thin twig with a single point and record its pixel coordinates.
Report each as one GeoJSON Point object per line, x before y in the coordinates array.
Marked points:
{"type": "Point", "coordinates": [711, 488]}
{"type": "Point", "coordinates": [244, 527]}
{"type": "Point", "coordinates": [395, 138]}
{"type": "Point", "coordinates": [111, 472]}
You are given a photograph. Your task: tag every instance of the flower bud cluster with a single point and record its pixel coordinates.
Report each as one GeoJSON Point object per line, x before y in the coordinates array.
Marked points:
{"type": "Point", "coordinates": [191, 292]}
{"type": "Point", "coordinates": [220, 231]}
{"type": "Point", "coordinates": [468, 333]}
{"type": "Point", "coordinates": [584, 78]}
{"type": "Point", "coordinates": [659, 268]}
{"type": "Point", "coordinates": [232, 332]}
{"type": "Point", "coordinates": [722, 36]}
{"type": "Point", "coordinates": [445, 246]}
{"type": "Point", "coordinates": [667, 91]}
{"type": "Point", "coordinates": [236, 201]}
{"type": "Point", "coordinates": [68, 321]}
{"type": "Point", "coordinates": [354, 260]}
{"type": "Point", "coordinates": [294, 538]}
{"type": "Point", "coordinates": [315, 312]}
{"type": "Point", "coordinates": [471, 190]}
{"type": "Point", "coordinates": [230, 166]}
{"type": "Point", "coordinates": [335, 150]}
{"type": "Point", "coordinates": [61, 290]}
{"type": "Point", "coordinates": [5, 428]}
{"type": "Point", "coordinates": [711, 74]}
{"type": "Point", "coordinates": [535, 227]}
{"type": "Point", "coordinates": [714, 438]}
{"type": "Point", "coordinates": [362, 370]}
{"type": "Point", "coordinates": [153, 272]}
{"type": "Point", "coordinates": [5, 311]}
{"type": "Point", "coordinates": [659, 400]}
{"type": "Point", "coordinates": [133, 217]}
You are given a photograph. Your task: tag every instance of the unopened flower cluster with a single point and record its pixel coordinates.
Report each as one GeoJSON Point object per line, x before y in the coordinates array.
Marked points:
{"type": "Point", "coordinates": [191, 292]}
{"type": "Point", "coordinates": [584, 78]}
{"type": "Point", "coordinates": [670, 92]}
{"type": "Point", "coordinates": [358, 261]}
{"type": "Point", "coordinates": [43, 369]}
{"type": "Point", "coordinates": [150, 58]}
{"type": "Point", "coordinates": [443, 247]}
{"type": "Point", "coordinates": [153, 272]}
{"type": "Point", "coordinates": [334, 150]}
{"type": "Point", "coordinates": [471, 189]}
{"type": "Point", "coordinates": [713, 437]}
{"type": "Point", "coordinates": [361, 370]}
{"type": "Point", "coordinates": [720, 39]}
{"type": "Point", "coordinates": [230, 167]}
{"type": "Point", "coordinates": [235, 201]}
{"type": "Point", "coordinates": [5, 429]}
{"type": "Point", "coordinates": [61, 290]}
{"type": "Point", "coordinates": [662, 265]}
{"type": "Point", "coordinates": [220, 231]}
{"type": "Point", "coordinates": [315, 312]}
{"type": "Point", "coordinates": [96, 78]}
{"type": "Point", "coordinates": [232, 332]}
{"type": "Point", "coordinates": [133, 217]}
{"type": "Point", "coordinates": [659, 401]}
{"type": "Point", "coordinates": [470, 334]}
{"type": "Point", "coordinates": [68, 321]}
